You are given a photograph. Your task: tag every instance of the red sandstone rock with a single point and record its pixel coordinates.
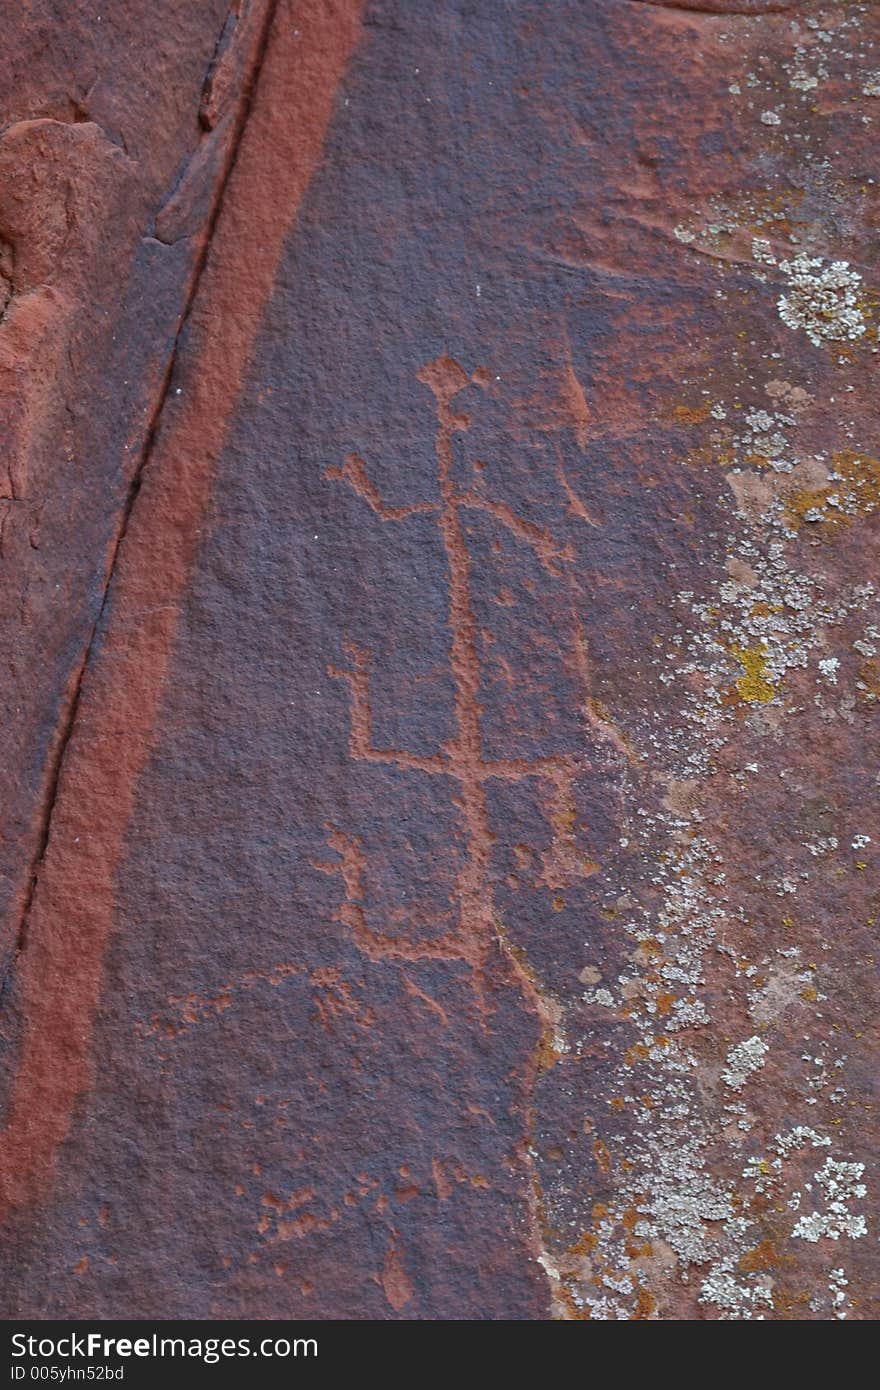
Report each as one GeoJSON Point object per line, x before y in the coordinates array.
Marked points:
{"type": "Point", "coordinates": [441, 658]}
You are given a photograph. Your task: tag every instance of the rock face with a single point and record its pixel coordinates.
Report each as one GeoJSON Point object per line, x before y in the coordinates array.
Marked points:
{"type": "Point", "coordinates": [441, 659]}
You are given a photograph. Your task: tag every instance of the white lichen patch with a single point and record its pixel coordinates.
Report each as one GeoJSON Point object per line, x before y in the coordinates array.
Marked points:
{"type": "Point", "coordinates": [733, 1295]}
{"type": "Point", "coordinates": [762, 251]}
{"type": "Point", "coordinates": [806, 71]}
{"type": "Point", "coordinates": [766, 648]}
{"type": "Point", "coordinates": [837, 1284]}
{"type": "Point", "coordinates": [602, 997]}
{"type": "Point", "coordinates": [762, 604]}
{"type": "Point", "coordinates": [822, 300]}
{"type": "Point", "coordinates": [742, 1060]}
{"type": "Point", "coordinates": [840, 1184]}
{"type": "Point", "coordinates": [829, 667]}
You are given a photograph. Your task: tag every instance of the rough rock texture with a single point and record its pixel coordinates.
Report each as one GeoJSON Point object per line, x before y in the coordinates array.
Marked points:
{"type": "Point", "coordinates": [441, 659]}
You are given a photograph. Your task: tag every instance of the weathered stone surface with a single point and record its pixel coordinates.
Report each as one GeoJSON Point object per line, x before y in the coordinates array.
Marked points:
{"type": "Point", "coordinates": [456, 894]}
{"type": "Point", "coordinates": [107, 179]}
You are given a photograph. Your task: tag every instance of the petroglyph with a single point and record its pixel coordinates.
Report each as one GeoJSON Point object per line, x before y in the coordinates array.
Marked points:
{"type": "Point", "coordinates": [462, 759]}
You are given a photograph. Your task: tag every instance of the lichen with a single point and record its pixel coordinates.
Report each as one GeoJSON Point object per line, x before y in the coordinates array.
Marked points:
{"type": "Point", "coordinates": [753, 685]}
{"type": "Point", "coordinates": [823, 300]}
{"type": "Point", "coordinates": [742, 1060]}
{"type": "Point", "coordinates": [852, 492]}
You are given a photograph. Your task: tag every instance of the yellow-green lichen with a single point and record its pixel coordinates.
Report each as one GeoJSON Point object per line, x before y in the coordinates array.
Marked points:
{"type": "Point", "coordinates": [753, 685]}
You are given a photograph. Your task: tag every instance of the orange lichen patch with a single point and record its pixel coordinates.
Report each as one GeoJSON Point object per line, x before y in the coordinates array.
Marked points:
{"type": "Point", "coordinates": [584, 1244]}
{"type": "Point", "coordinates": [800, 504]}
{"type": "Point", "coordinates": [756, 460]}
{"type": "Point", "coordinates": [869, 677]}
{"type": "Point", "coordinates": [690, 415]}
{"type": "Point", "coordinates": [852, 492]}
{"type": "Point", "coordinates": [789, 1305]}
{"type": "Point", "coordinates": [602, 1156]}
{"type": "Point", "coordinates": [638, 1052]}
{"type": "Point", "coordinates": [753, 685]}
{"type": "Point", "coordinates": [664, 1003]}
{"type": "Point", "coordinates": [810, 995]}
{"type": "Point", "coordinates": [573, 1313]}
{"type": "Point", "coordinates": [706, 456]}
{"type": "Point", "coordinates": [646, 1305]}
{"type": "Point", "coordinates": [650, 947]}
{"type": "Point", "coordinates": [760, 1259]}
